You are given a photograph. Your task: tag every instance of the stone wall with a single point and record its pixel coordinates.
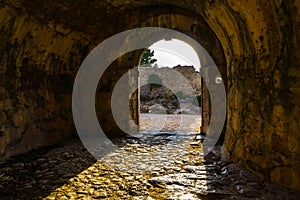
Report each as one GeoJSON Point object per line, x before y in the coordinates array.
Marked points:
{"type": "Point", "coordinates": [186, 74]}
{"type": "Point", "coordinates": [36, 71]}
{"type": "Point", "coordinates": [263, 85]}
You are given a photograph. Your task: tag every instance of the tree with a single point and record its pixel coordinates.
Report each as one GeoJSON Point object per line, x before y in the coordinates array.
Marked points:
{"type": "Point", "coordinates": [147, 59]}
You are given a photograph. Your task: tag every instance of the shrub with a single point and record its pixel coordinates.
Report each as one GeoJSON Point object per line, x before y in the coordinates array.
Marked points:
{"type": "Point", "coordinates": [169, 95]}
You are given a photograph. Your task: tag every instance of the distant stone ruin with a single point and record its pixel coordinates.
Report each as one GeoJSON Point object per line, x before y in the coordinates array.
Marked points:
{"type": "Point", "coordinates": [188, 72]}
{"type": "Point", "coordinates": [166, 92]}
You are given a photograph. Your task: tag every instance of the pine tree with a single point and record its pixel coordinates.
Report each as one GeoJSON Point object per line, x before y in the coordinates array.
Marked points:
{"type": "Point", "coordinates": [147, 59]}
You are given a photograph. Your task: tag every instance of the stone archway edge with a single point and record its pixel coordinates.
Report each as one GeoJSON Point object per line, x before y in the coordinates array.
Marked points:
{"type": "Point", "coordinates": [94, 65]}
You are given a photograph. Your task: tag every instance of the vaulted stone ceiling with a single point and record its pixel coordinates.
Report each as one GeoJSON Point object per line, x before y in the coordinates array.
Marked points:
{"type": "Point", "coordinates": [42, 44]}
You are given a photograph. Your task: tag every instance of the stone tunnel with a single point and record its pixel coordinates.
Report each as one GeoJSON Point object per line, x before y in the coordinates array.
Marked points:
{"type": "Point", "coordinates": [253, 43]}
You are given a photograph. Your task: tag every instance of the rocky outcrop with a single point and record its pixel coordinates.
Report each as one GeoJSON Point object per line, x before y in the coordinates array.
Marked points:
{"type": "Point", "coordinates": [165, 97]}
{"type": "Point", "coordinates": [186, 73]}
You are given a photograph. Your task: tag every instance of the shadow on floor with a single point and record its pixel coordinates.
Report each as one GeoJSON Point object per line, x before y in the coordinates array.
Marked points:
{"type": "Point", "coordinates": [36, 174]}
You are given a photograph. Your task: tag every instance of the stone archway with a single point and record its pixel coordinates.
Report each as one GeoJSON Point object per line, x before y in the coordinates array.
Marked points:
{"type": "Point", "coordinates": [197, 29]}
{"type": "Point", "coordinates": [259, 40]}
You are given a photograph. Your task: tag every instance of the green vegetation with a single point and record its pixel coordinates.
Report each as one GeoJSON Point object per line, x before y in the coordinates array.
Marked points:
{"type": "Point", "coordinates": [147, 59]}
{"type": "Point", "coordinates": [197, 99]}
{"type": "Point", "coordinates": [169, 95]}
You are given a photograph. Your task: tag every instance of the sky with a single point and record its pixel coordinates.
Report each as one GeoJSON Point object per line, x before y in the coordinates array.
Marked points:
{"type": "Point", "coordinates": [170, 53]}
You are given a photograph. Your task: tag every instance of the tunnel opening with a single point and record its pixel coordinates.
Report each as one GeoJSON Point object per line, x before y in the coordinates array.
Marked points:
{"type": "Point", "coordinates": [260, 72]}
{"type": "Point", "coordinates": [169, 87]}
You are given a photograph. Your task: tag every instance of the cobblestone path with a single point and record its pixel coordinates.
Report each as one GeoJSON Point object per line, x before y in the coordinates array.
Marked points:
{"type": "Point", "coordinates": [155, 165]}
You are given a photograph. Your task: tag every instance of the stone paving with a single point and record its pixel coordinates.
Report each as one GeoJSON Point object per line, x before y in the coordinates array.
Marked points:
{"type": "Point", "coordinates": [154, 165]}
{"type": "Point", "coordinates": [164, 122]}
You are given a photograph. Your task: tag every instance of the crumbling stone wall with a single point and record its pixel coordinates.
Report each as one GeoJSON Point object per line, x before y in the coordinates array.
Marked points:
{"type": "Point", "coordinates": [188, 73]}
